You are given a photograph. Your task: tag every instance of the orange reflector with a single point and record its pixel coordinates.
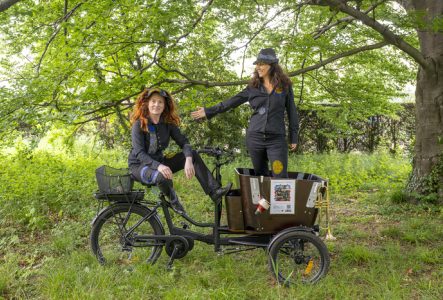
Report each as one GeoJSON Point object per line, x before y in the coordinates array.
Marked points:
{"type": "Point", "coordinates": [309, 267]}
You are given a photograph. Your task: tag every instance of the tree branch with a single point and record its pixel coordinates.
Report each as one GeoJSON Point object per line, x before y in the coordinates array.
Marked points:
{"type": "Point", "coordinates": [54, 34]}
{"type": "Point", "coordinates": [172, 70]}
{"type": "Point", "coordinates": [94, 118]}
{"type": "Point", "coordinates": [338, 56]}
{"type": "Point", "coordinates": [200, 17]}
{"type": "Point", "coordinates": [5, 4]}
{"type": "Point", "coordinates": [388, 35]}
{"type": "Point", "coordinates": [407, 5]}
{"type": "Point", "coordinates": [154, 59]}
{"type": "Point", "coordinates": [182, 89]}
{"type": "Point", "coordinates": [327, 89]}
{"type": "Point", "coordinates": [112, 104]}
{"type": "Point", "coordinates": [348, 19]}
{"type": "Point", "coordinates": [302, 83]}
{"type": "Point", "coordinates": [320, 31]}
{"type": "Point", "coordinates": [262, 27]}
{"type": "Point", "coordinates": [190, 82]}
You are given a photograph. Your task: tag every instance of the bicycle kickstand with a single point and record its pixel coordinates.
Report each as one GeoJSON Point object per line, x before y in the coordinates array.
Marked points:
{"type": "Point", "coordinates": [171, 259]}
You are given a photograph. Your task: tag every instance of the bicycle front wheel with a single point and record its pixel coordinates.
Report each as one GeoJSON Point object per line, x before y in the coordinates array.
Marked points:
{"type": "Point", "coordinates": [298, 256]}
{"type": "Point", "coordinates": [110, 242]}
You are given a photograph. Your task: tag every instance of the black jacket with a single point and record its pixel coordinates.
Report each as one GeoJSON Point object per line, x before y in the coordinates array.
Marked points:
{"type": "Point", "coordinates": [140, 144]}
{"type": "Point", "coordinates": [268, 116]}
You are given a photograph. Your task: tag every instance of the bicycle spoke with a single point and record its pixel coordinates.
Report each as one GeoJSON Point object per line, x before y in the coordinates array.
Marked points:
{"type": "Point", "coordinates": [111, 242]}
{"type": "Point", "coordinates": [298, 257]}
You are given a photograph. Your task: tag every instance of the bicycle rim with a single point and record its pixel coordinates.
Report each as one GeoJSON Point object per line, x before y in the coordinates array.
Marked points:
{"type": "Point", "coordinates": [299, 257]}
{"type": "Point", "coordinates": [109, 243]}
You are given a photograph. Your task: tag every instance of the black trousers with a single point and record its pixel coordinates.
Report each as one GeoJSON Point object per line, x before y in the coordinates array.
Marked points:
{"type": "Point", "coordinates": [263, 149]}
{"type": "Point", "coordinates": [177, 163]}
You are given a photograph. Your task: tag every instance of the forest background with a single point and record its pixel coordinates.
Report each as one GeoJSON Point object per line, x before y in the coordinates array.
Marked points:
{"type": "Point", "coordinates": [69, 72]}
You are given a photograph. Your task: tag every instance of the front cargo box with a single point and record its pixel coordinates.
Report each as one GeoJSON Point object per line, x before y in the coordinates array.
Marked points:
{"type": "Point", "coordinates": [292, 200]}
{"type": "Point", "coordinates": [234, 210]}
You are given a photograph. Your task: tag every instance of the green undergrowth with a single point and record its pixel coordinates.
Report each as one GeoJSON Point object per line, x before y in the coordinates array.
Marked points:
{"type": "Point", "coordinates": [355, 172]}
{"type": "Point", "coordinates": [383, 250]}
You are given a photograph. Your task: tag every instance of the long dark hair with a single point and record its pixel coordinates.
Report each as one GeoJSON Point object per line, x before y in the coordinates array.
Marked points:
{"type": "Point", "coordinates": [279, 79]}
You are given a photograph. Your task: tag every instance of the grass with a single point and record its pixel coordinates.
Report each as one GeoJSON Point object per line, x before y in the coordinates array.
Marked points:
{"type": "Point", "coordinates": [383, 250]}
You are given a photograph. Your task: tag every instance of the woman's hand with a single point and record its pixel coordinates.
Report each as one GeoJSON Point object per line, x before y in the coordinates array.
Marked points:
{"type": "Point", "coordinates": [165, 171]}
{"type": "Point", "coordinates": [198, 114]}
{"type": "Point", "coordinates": [189, 168]}
{"type": "Point", "coordinates": [292, 147]}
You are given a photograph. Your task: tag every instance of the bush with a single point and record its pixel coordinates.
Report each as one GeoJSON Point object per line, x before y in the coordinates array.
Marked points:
{"type": "Point", "coordinates": [40, 188]}
{"type": "Point", "coordinates": [350, 173]}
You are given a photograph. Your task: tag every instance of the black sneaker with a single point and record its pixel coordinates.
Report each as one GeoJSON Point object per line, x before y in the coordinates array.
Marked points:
{"type": "Point", "coordinates": [178, 207]}
{"type": "Point", "coordinates": [220, 192]}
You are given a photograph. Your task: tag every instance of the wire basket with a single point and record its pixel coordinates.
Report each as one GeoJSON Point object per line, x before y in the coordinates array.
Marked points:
{"type": "Point", "coordinates": [114, 181]}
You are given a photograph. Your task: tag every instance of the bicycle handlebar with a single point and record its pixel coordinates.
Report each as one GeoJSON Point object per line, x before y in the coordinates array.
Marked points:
{"type": "Point", "coordinates": [215, 151]}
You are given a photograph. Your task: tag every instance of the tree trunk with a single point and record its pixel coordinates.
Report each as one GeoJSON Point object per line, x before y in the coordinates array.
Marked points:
{"type": "Point", "coordinates": [393, 132]}
{"type": "Point", "coordinates": [427, 174]}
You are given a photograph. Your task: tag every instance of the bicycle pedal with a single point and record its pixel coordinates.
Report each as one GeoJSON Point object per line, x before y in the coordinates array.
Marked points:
{"type": "Point", "coordinates": [127, 248]}
{"type": "Point", "coordinates": [184, 225]}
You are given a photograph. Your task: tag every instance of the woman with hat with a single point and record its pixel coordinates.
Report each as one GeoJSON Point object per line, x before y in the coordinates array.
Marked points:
{"type": "Point", "coordinates": [269, 94]}
{"type": "Point", "coordinates": [154, 122]}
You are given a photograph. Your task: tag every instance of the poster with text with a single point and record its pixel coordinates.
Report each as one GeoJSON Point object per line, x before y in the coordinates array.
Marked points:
{"type": "Point", "coordinates": [282, 196]}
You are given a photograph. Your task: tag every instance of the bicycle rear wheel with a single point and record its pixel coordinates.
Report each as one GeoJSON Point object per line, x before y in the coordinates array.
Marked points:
{"type": "Point", "coordinates": [298, 256]}
{"type": "Point", "coordinates": [108, 241]}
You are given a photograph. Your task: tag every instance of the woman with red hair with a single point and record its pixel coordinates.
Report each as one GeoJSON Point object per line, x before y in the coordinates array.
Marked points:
{"type": "Point", "coordinates": [154, 122]}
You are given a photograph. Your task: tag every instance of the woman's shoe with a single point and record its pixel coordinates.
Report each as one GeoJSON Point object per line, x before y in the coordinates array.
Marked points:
{"type": "Point", "coordinates": [220, 192]}
{"type": "Point", "coordinates": [178, 207]}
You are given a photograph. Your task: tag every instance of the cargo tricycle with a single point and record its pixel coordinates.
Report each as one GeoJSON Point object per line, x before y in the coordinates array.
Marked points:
{"type": "Point", "coordinates": [278, 215]}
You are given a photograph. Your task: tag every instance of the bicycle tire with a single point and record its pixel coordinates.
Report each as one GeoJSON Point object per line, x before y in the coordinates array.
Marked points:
{"type": "Point", "coordinates": [298, 256]}
{"type": "Point", "coordinates": [107, 235]}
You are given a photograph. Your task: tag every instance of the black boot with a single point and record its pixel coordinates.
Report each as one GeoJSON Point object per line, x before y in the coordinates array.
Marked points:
{"type": "Point", "coordinates": [165, 185]}
{"type": "Point", "coordinates": [178, 208]}
{"type": "Point", "coordinates": [220, 192]}
{"type": "Point", "coordinates": [176, 205]}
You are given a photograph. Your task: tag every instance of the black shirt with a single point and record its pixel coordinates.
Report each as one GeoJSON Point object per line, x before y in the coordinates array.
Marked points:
{"type": "Point", "coordinates": [139, 153]}
{"type": "Point", "coordinates": [268, 115]}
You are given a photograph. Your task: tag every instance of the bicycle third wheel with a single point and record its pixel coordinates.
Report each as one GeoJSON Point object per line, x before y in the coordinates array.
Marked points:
{"type": "Point", "coordinates": [109, 241]}
{"type": "Point", "coordinates": [298, 256]}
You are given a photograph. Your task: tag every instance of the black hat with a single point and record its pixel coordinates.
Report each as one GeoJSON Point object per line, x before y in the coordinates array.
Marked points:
{"type": "Point", "coordinates": [266, 56]}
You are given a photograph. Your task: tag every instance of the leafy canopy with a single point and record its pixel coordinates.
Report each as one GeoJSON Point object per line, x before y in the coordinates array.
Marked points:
{"type": "Point", "coordinates": [80, 63]}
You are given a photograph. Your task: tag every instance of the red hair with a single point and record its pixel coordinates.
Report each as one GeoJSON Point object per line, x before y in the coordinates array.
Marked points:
{"type": "Point", "coordinates": [141, 109]}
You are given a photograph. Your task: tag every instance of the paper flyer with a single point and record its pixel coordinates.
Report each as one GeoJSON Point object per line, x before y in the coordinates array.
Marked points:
{"type": "Point", "coordinates": [313, 195]}
{"type": "Point", "coordinates": [282, 196]}
{"type": "Point", "coordinates": [255, 190]}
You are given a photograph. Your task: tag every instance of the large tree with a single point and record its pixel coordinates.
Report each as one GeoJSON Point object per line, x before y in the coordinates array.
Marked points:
{"type": "Point", "coordinates": [78, 62]}
{"type": "Point", "coordinates": [427, 18]}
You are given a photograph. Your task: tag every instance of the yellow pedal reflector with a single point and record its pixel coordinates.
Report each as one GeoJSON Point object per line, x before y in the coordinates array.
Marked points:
{"type": "Point", "coordinates": [309, 267]}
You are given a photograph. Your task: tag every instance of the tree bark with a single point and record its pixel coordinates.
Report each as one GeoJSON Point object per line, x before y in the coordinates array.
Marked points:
{"type": "Point", "coordinates": [5, 4]}
{"type": "Point", "coordinates": [428, 160]}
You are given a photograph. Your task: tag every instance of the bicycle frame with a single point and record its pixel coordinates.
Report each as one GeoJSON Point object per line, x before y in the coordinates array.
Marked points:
{"type": "Point", "coordinates": [183, 233]}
